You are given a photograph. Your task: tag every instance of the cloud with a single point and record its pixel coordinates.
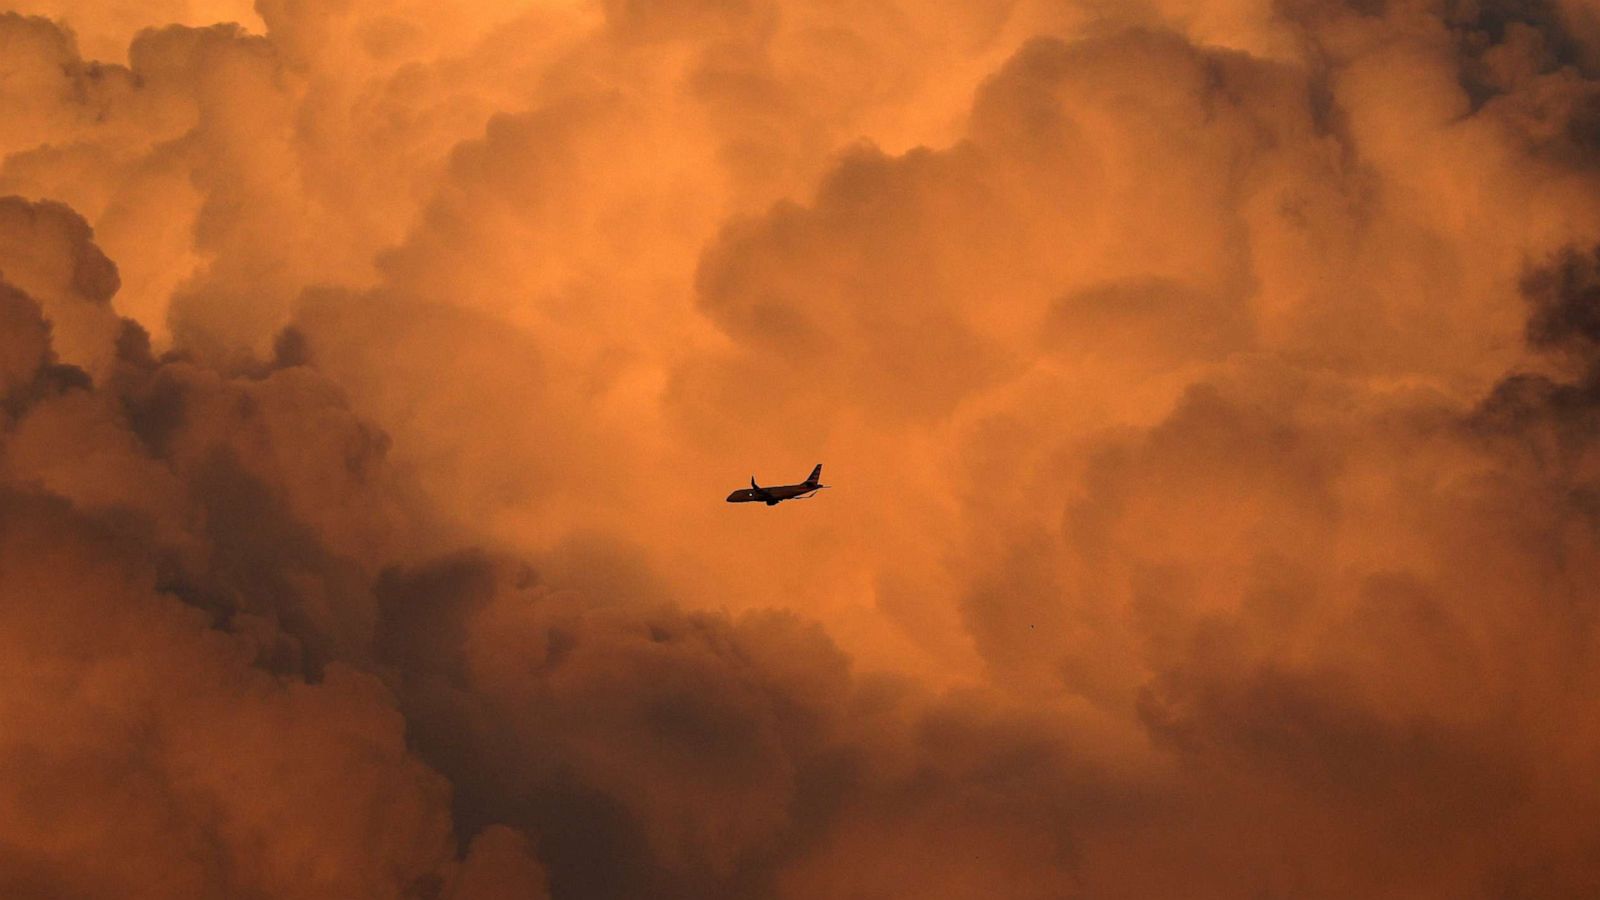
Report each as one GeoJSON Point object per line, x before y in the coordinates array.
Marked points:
{"type": "Point", "coordinates": [45, 251]}
{"type": "Point", "coordinates": [1208, 390]}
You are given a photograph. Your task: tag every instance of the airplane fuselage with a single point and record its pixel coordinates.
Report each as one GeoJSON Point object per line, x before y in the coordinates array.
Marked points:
{"type": "Point", "coordinates": [771, 494]}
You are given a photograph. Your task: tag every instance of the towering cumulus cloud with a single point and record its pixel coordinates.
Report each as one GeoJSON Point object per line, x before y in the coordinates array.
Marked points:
{"type": "Point", "coordinates": [1211, 391]}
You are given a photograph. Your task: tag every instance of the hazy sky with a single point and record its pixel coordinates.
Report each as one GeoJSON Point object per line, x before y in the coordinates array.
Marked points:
{"type": "Point", "coordinates": [1210, 391]}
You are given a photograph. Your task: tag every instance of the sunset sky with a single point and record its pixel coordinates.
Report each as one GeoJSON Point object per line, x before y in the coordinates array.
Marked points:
{"type": "Point", "coordinates": [1209, 391]}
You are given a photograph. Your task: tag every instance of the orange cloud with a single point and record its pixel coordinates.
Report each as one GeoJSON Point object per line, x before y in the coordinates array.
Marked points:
{"type": "Point", "coordinates": [1208, 390]}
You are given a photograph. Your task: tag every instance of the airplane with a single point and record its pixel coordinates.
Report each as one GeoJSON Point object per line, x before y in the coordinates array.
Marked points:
{"type": "Point", "coordinates": [772, 496]}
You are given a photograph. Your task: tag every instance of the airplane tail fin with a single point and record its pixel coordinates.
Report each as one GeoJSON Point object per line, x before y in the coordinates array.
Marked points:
{"type": "Point", "coordinates": [816, 475]}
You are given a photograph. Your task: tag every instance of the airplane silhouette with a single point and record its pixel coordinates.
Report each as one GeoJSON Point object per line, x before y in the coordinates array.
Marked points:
{"type": "Point", "coordinates": [772, 496]}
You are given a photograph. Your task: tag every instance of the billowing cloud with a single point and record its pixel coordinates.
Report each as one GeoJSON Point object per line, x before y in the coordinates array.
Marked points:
{"type": "Point", "coordinates": [1209, 390]}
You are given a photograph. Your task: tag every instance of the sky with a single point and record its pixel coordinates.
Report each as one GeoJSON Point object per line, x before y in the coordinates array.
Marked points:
{"type": "Point", "coordinates": [1209, 391]}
